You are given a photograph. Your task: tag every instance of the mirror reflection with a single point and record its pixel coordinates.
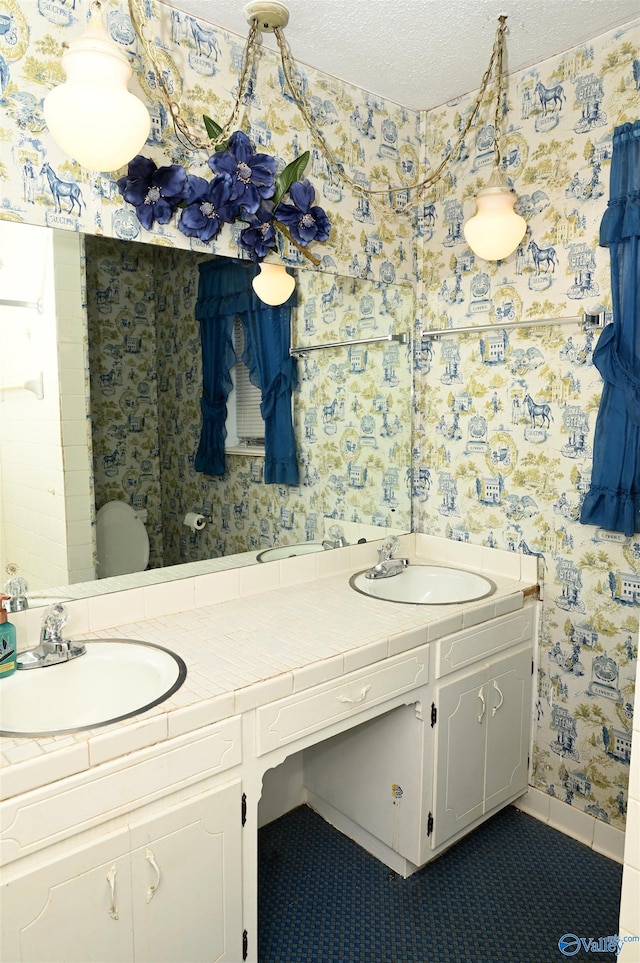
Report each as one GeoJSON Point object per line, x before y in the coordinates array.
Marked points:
{"type": "Point", "coordinates": [119, 318]}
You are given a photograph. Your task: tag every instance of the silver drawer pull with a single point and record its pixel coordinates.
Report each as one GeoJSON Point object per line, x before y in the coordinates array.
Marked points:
{"type": "Point", "coordinates": [497, 688]}
{"type": "Point", "coordinates": [484, 706]}
{"type": "Point", "coordinates": [149, 856]}
{"type": "Point", "coordinates": [111, 879]}
{"type": "Point", "coordinates": [360, 698]}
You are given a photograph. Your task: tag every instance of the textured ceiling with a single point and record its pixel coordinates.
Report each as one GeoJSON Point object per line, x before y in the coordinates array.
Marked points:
{"type": "Point", "coordinates": [421, 53]}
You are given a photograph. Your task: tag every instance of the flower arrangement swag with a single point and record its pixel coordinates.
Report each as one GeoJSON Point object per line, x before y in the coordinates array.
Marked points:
{"type": "Point", "coordinates": [244, 187]}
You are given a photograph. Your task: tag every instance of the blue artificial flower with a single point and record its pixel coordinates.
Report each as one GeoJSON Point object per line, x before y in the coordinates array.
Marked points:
{"type": "Point", "coordinates": [305, 222]}
{"type": "Point", "coordinates": [209, 206]}
{"type": "Point", "coordinates": [260, 238]}
{"type": "Point", "coordinates": [155, 192]}
{"type": "Point", "coordinates": [253, 175]}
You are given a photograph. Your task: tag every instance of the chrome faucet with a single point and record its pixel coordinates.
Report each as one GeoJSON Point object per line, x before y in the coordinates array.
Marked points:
{"type": "Point", "coordinates": [387, 565]}
{"type": "Point", "coordinates": [337, 539]}
{"type": "Point", "coordinates": [52, 649]}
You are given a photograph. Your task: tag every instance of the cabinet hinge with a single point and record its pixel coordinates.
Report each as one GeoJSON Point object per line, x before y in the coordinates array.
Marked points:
{"type": "Point", "coordinates": [429, 824]}
{"type": "Point", "coordinates": [243, 808]}
{"type": "Point", "coordinates": [245, 944]}
{"type": "Point", "coordinates": [434, 714]}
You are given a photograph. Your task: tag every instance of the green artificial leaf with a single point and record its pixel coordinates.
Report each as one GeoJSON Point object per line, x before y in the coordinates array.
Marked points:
{"type": "Point", "coordinates": [214, 130]}
{"type": "Point", "coordinates": [293, 172]}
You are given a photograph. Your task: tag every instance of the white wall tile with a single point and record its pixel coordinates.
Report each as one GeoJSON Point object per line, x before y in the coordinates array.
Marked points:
{"type": "Point", "coordinates": [116, 608]}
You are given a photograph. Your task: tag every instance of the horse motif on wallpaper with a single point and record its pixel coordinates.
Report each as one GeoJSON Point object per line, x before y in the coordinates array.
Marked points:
{"type": "Point", "coordinates": [549, 96]}
{"type": "Point", "coordinates": [543, 256]}
{"type": "Point", "coordinates": [61, 190]}
{"type": "Point", "coordinates": [543, 412]}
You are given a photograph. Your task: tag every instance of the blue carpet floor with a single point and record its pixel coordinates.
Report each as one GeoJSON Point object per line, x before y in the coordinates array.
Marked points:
{"type": "Point", "coordinates": [504, 894]}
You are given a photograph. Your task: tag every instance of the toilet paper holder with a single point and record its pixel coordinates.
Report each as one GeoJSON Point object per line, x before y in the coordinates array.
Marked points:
{"type": "Point", "coordinates": [196, 521]}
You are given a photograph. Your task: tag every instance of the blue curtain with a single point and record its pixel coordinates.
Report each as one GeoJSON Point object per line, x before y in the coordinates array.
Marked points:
{"type": "Point", "coordinates": [613, 500]}
{"type": "Point", "coordinates": [225, 292]}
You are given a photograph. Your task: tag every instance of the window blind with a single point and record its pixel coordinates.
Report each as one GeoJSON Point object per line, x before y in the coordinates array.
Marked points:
{"type": "Point", "coordinates": [249, 421]}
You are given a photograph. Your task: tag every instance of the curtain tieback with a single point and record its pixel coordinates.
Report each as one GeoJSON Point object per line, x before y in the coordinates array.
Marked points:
{"type": "Point", "coordinates": [213, 411]}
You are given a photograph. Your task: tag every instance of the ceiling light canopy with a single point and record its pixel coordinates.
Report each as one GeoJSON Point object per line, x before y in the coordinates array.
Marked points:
{"type": "Point", "coordinates": [268, 14]}
{"type": "Point", "coordinates": [93, 116]}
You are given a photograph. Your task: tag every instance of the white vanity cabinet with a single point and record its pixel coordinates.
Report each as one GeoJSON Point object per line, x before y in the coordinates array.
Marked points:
{"type": "Point", "coordinates": [166, 887]}
{"type": "Point", "coordinates": [150, 855]}
{"type": "Point", "coordinates": [137, 860]}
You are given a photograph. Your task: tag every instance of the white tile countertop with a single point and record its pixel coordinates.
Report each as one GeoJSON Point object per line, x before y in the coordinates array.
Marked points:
{"type": "Point", "coordinates": [302, 627]}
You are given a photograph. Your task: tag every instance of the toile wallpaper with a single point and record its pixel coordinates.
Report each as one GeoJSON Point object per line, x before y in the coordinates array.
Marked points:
{"type": "Point", "coordinates": [504, 419]}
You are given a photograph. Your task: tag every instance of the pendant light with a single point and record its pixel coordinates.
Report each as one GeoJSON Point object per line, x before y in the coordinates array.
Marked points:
{"type": "Point", "coordinates": [93, 116]}
{"type": "Point", "coordinates": [496, 230]}
{"type": "Point", "coordinates": [273, 284]}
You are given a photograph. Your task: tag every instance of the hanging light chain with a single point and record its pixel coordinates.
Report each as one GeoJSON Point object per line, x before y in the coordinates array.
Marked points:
{"type": "Point", "coordinates": [184, 133]}
{"type": "Point", "coordinates": [497, 120]}
{"type": "Point", "coordinates": [296, 89]}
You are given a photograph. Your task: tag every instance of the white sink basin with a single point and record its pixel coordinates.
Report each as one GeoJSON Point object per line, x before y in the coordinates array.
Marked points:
{"type": "Point", "coordinates": [426, 585]}
{"type": "Point", "coordinates": [287, 551]}
{"type": "Point", "coordinates": [115, 679]}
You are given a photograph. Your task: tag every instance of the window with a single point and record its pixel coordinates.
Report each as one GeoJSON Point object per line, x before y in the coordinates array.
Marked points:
{"type": "Point", "coordinates": [245, 425]}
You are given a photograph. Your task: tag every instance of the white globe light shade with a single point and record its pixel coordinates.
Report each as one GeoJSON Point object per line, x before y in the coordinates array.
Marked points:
{"type": "Point", "coordinates": [93, 116]}
{"type": "Point", "coordinates": [496, 230]}
{"type": "Point", "coordinates": [273, 284]}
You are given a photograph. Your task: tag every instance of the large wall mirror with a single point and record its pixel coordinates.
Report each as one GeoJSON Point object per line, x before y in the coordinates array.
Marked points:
{"type": "Point", "coordinates": [103, 333]}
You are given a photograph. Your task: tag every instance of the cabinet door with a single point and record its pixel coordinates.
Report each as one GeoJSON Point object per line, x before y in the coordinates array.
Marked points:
{"type": "Point", "coordinates": [76, 909]}
{"type": "Point", "coordinates": [186, 868]}
{"type": "Point", "coordinates": [508, 711]}
{"type": "Point", "coordinates": [460, 753]}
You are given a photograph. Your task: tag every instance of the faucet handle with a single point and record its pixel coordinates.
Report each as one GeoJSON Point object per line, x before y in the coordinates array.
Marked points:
{"type": "Point", "coordinates": [53, 620]}
{"type": "Point", "coordinates": [16, 587]}
{"type": "Point", "coordinates": [337, 534]}
{"type": "Point", "coordinates": [388, 547]}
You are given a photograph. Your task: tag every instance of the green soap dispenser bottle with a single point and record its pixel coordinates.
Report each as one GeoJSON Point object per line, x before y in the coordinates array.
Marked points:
{"type": "Point", "coordinates": [7, 641]}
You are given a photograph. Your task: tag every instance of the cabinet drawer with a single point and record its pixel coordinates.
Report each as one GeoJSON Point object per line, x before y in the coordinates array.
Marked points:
{"type": "Point", "coordinates": [299, 715]}
{"type": "Point", "coordinates": [80, 802]}
{"type": "Point", "coordinates": [482, 641]}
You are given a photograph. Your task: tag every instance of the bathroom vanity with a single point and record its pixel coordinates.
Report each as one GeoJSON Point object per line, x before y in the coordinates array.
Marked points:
{"type": "Point", "coordinates": [404, 725]}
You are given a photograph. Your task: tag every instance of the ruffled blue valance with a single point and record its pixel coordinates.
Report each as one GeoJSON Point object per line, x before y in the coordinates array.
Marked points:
{"type": "Point", "coordinates": [613, 500]}
{"type": "Point", "coordinates": [224, 293]}
{"type": "Point", "coordinates": [621, 220]}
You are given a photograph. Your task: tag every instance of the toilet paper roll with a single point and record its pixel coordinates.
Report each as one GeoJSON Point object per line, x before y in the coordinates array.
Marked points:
{"type": "Point", "coordinates": [194, 521]}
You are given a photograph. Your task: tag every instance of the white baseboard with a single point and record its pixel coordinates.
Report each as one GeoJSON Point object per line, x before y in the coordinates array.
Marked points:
{"type": "Point", "coordinates": [589, 830]}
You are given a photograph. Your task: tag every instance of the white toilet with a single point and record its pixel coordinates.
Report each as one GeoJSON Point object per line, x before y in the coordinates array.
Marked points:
{"type": "Point", "coordinates": [122, 541]}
